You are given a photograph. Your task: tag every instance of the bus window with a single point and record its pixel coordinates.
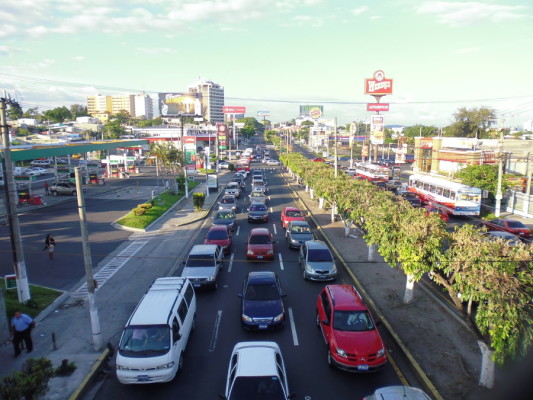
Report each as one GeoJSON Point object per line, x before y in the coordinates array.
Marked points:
{"type": "Point", "coordinates": [426, 187]}
{"type": "Point", "coordinates": [439, 191]}
{"type": "Point", "coordinates": [452, 195]}
{"type": "Point", "coordinates": [446, 193]}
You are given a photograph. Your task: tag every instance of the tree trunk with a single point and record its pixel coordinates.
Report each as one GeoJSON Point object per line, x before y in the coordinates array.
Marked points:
{"type": "Point", "coordinates": [371, 251]}
{"type": "Point", "coordinates": [486, 377]}
{"type": "Point", "coordinates": [312, 193]}
{"type": "Point", "coordinates": [409, 289]}
{"type": "Point", "coordinates": [306, 188]}
{"type": "Point", "coordinates": [333, 210]}
{"type": "Point", "coordinates": [321, 203]}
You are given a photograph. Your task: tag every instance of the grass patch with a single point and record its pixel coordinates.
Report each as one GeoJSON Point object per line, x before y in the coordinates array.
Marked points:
{"type": "Point", "coordinates": [161, 204]}
{"type": "Point", "coordinates": [41, 298]}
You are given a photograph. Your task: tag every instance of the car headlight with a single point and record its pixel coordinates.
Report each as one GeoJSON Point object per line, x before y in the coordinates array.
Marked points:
{"type": "Point", "coordinates": [381, 352]}
{"type": "Point", "coordinates": [279, 317]}
{"type": "Point", "coordinates": [122, 368]}
{"type": "Point", "coordinates": [309, 268]}
{"type": "Point", "coordinates": [341, 352]}
{"type": "Point", "coordinates": [211, 278]}
{"type": "Point", "coordinates": [246, 318]}
{"type": "Point", "coordinates": [165, 366]}
{"type": "Point", "coordinates": [334, 269]}
{"type": "Point", "coordinates": [270, 252]}
{"type": "Point", "coordinates": [250, 252]}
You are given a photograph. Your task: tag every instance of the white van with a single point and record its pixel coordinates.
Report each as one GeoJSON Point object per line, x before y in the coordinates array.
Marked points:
{"type": "Point", "coordinates": [153, 342]}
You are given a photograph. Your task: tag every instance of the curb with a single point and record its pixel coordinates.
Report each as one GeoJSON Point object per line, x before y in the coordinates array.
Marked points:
{"type": "Point", "coordinates": [90, 376]}
{"type": "Point", "coordinates": [428, 385]}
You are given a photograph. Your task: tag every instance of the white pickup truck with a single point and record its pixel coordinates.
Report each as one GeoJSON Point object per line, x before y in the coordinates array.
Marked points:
{"type": "Point", "coordinates": [233, 189]}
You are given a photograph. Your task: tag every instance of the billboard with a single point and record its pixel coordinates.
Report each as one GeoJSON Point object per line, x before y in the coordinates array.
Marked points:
{"type": "Point", "coordinates": [233, 110]}
{"type": "Point", "coordinates": [377, 129]}
{"type": "Point", "coordinates": [175, 104]}
{"type": "Point", "coordinates": [379, 86]}
{"type": "Point", "coordinates": [311, 111]}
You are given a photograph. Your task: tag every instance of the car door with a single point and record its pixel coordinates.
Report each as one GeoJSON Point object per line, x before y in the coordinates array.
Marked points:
{"type": "Point", "coordinates": [301, 258]}
{"type": "Point", "coordinates": [185, 319]}
{"type": "Point", "coordinates": [325, 317]}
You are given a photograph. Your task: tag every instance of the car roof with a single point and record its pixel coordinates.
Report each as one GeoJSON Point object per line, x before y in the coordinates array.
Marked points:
{"type": "Point", "coordinates": [502, 234]}
{"type": "Point", "coordinates": [301, 223]}
{"type": "Point", "coordinates": [203, 249]}
{"type": "Point", "coordinates": [399, 393]}
{"type": "Point", "coordinates": [260, 231]}
{"type": "Point", "coordinates": [256, 358]}
{"type": "Point", "coordinates": [346, 297]}
{"type": "Point", "coordinates": [292, 209]}
{"type": "Point", "coordinates": [261, 276]}
{"type": "Point", "coordinates": [218, 228]}
{"type": "Point", "coordinates": [316, 244]}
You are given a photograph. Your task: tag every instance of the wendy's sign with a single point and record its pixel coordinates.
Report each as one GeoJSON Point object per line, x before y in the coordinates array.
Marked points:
{"type": "Point", "coordinates": [379, 86]}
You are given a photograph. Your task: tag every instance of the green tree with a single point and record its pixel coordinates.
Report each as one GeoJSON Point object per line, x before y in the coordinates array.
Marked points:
{"type": "Point", "coordinates": [247, 132]}
{"type": "Point", "coordinates": [198, 200]}
{"type": "Point", "coordinates": [77, 110]}
{"type": "Point", "coordinates": [14, 111]}
{"type": "Point", "coordinates": [30, 383]}
{"type": "Point", "coordinates": [474, 122]}
{"type": "Point", "coordinates": [113, 129]}
{"type": "Point", "coordinates": [32, 113]}
{"type": "Point", "coordinates": [58, 114]}
{"type": "Point", "coordinates": [420, 130]}
{"type": "Point", "coordinates": [484, 177]}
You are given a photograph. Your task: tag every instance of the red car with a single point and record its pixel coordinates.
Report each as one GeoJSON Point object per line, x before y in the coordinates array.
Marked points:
{"type": "Point", "coordinates": [318, 159]}
{"type": "Point", "coordinates": [443, 215]}
{"type": "Point", "coordinates": [289, 214]}
{"type": "Point", "coordinates": [353, 341]}
{"type": "Point", "coordinates": [221, 236]}
{"type": "Point", "coordinates": [260, 244]}
{"type": "Point", "coordinates": [508, 225]}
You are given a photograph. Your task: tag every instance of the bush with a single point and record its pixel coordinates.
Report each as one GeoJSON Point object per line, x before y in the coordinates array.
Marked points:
{"type": "Point", "coordinates": [231, 167]}
{"type": "Point", "coordinates": [139, 211]}
{"type": "Point", "coordinates": [30, 383]}
{"type": "Point", "coordinates": [66, 368]}
{"type": "Point", "coordinates": [146, 206]}
{"type": "Point", "coordinates": [198, 199]}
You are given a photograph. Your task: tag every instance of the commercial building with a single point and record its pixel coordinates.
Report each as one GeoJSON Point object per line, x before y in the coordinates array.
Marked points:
{"type": "Point", "coordinates": [102, 107]}
{"type": "Point", "coordinates": [212, 98]}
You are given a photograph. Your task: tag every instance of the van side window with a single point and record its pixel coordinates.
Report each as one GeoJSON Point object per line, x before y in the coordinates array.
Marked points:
{"type": "Point", "coordinates": [189, 294]}
{"type": "Point", "coordinates": [182, 311]}
{"type": "Point", "coordinates": [327, 306]}
{"type": "Point", "coordinates": [175, 330]}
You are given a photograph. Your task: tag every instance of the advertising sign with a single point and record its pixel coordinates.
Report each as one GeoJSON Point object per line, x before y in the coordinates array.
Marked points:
{"type": "Point", "coordinates": [311, 111]}
{"type": "Point", "coordinates": [377, 107]}
{"type": "Point", "coordinates": [353, 128]}
{"type": "Point", "coordinates": [174, 104]}
{"type": "Point", "coordinates": [379, 86]}
{"type": "Point", "coordinates": [377, 129]}
{"type": "Point", "coordinates": [233, 110]}
{"type": "Point", "coordinates": [11, 281]}
{"type": "Point", "coordinates": [263, 113]}
{"type": "Point", "coordinates": [364, 151]}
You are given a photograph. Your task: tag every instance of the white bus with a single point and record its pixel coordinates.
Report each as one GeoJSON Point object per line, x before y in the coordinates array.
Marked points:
{"type": "Point", "coordinates": [372, 172]}
{"type": "Point", "coordinates": [452, 197]}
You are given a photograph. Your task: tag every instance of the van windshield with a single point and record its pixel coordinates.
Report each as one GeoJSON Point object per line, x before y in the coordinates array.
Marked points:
{"type": "Point", "coordinates": [145, 341]}
{"type": "Point", "coordinates": [199, 260]}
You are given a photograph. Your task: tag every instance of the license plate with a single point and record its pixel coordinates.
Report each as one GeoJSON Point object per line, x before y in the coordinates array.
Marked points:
{"type": "Point", "coordinates": [263, 326]}
{"type": "Point", "coordinates": [259, 257]}
{"type": "Point", "coordinates": [196, 285]}
{"type": "Point", "coordinates": [143, 378]}
{"type": "Point", "coordinates": [362, 367]}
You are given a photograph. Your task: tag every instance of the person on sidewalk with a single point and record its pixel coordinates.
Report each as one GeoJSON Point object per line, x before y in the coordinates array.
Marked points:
{"type": "Point", "coordinates": [50, 244]}
{"type": "Point", "coordinates": [21, 326]}
{"type": "Point", "coordinates": [46, 188]}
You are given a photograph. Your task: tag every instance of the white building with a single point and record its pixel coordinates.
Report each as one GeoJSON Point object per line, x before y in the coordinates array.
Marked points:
{"type": "Point", "coordinates": [144, 106]}
{"type": "Point", "coordinates": [212, 95]}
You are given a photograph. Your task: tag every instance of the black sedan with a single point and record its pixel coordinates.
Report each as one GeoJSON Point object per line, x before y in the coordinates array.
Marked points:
{"type": "Point", "coordinates": [226, 217]}
{"type": "Point", "coordinates": [258, 212]}
{"type": "Point", "coordinates": [262, 301]}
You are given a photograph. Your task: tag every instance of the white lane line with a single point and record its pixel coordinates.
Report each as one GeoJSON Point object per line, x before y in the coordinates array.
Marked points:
{"type": "Point", "coordinates": [271, 209]}
{"type": "Point", "coordinates": [275, 230]}
{"type": "Point", "coordinates": [231, 262]}
{"type": "Point", "coordinates": [293, 328]}
{"type": "Point", "coordinates": [214, 338]}
{"type": "Point", "coordinates": [280, 261]}
{"type": "Point", "coordinates": [238, 230]}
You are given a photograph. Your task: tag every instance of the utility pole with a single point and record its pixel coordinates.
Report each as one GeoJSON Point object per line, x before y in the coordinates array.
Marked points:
{"type": "Point", "coordinates": [499, 194]}
{"type": "Point", "coordinates": [91, 282]}
{"type": "Point", "coordinates": [23, 287]}
{"type": "Point", "coordinates": [335, 136]}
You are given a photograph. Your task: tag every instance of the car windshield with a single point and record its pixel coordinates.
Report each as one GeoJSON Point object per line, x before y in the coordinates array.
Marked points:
{"type": "Point", "coordinates": [145, 341]}
{"type": "Point", "coordinates": [199, 260]}
{"type": "Point", "coordinates": [262, 292]}
{"type": "Point", "coordinates": [224, 216]}
{"type": "Point", "coordinates": [258, 207]}
{"type": "Point", "coordinates": [353, 321]}
{"type": "Point", "coordinates": [257, 194]}
{"type": "Point", "coordinates": [259, 239]}
{"type": "Point", "coordinates": [319, 255]}
{"type": "Point", "coordinates": [217, 234]}
{"type": "Point", "coordinates": [515, 224]}
{"type": "Point", "coordinates": [293, 213]}
{"type": "Point", "coordinates": [300, 229]}
{"type": "Point", "coordinates": [227, 200]}
{"type": "Point", "coordinates": [257, 388]}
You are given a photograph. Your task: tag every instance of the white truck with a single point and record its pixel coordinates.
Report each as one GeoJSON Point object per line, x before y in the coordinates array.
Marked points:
{"type": "Point", "coordinates": [212, 182]}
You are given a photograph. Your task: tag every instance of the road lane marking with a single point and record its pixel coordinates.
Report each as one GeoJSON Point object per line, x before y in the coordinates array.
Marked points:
{"type": "Point", "coordinates": [280, 261]}
{"type": "Point", "coordinates": [293, 328]}
{"type": "Point", "coordinates": [214, 338]}
{"type": "Point", "coordinates": [231, 262]}
{"type": "Point", "coordinates": [238, 230]}
{"type": "Point", "coordinates": [275, 230]}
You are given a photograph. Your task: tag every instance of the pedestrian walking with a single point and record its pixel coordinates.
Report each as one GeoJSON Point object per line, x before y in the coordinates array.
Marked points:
{"type": "Point", "coordinates": [20, 328]}
{"type": "Point", "coordinates": [50, 244]}
{"type": "Point", "coordinates": [46, 188]}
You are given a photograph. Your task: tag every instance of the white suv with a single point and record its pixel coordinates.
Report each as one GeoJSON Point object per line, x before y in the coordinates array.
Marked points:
{"type": "Point", "coordinates": [256, 371]}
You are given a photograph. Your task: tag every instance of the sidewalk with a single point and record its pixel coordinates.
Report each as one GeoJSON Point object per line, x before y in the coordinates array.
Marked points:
{"type": "Point", "coordinates": [62, 330]}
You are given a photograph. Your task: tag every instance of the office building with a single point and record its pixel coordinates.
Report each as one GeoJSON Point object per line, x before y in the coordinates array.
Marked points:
{"type": "Point", "coordinates": [212, 97]}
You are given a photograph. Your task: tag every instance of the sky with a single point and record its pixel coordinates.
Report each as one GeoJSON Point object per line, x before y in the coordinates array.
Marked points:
{"type": "Point", "coordinates": [275, 55]}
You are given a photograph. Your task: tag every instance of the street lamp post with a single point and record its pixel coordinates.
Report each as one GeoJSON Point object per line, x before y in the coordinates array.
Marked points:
{"type": "Point", "coordinates": [499, 194]}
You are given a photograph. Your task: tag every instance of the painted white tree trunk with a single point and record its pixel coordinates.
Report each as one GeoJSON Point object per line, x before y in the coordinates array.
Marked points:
{"type": "Point", "coordinates": [409, 289]}
{"type": "Point", "coordinates": [321, 203]}
{"type": "Point", "coordinates": [371, 251]}
{"type": "Point", "coordinates": [333, 212]}
{"type": "Point", "coordinates": [486, 377]}
{"type": "Point", "coordinates": [306, 188]}
{"type": "Point", "coordinates": [347, 227]}
{"type": "Point", "coordinates": [312, 193]}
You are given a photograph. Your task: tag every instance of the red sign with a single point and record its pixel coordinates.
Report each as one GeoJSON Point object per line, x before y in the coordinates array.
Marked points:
{"type": "Point", "coordinates": [379, 86]}
{"type": "Point", "coordinates": [233, 110]}
{"type": "Point", "coordinates": [377, 107]}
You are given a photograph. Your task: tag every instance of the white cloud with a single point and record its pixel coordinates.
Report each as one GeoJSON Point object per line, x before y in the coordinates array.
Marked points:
{"type": "Point", "coordinates": [9, 51]}
{"type": "Point", "coordinates": [156, 50]}
{"type": "Point", "coordinates": [79, 58]}
{"type": "Point", "coordinates": [306, 20]}
{"type": "Point", "coordinates": [470, 12]}
{"type": "Point", "coordinates": [45, 63]}
{"type": "Point", "coordinates": [360, 10]}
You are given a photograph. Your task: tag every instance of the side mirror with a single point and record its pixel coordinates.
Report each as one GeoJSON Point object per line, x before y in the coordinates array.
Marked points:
{"type": "Point", "coordinates": [325, 322]}
{"type": "Point", "coordinates": [183, 262]}
{"type": "Point", "coordinates": [240, 295]}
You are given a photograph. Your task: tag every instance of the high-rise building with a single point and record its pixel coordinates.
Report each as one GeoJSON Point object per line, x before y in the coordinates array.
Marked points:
{"type": "Point", "coordinates": [135, 105]}
{"type": "Point", "coordinates": [212, 95]}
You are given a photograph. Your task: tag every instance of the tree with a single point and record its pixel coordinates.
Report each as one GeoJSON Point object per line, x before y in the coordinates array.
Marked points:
{"type": "Point", "coordinates": [484, 177]}
{"type": "Point", "coordinates": [420, 130]}
{"type": "Point", "coordinates": [30, 383]}
{"type": "Point", "coordinates": [32, 113]}
{"type": "Point", "coordinates": [58, 114]}
{"type": "Point", "coordinates": [247, 132]}
{"type": "Point", "coordinates": [77, 110]}
{"type": "Point", "coordinates": [473, 122]}
{"type": "Point", "coordinates": [14, 111]}
{"type": "Point", "coordinates": [198, 200]}
{"type": "Point", "coordinates": [113, 130]}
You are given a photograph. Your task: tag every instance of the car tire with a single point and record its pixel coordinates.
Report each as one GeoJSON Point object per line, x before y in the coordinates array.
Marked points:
{"type": "Point", "coordinates": [54, 193]}
{"type": "Point", "coordinates": [180, 363]}
{"type": "Point", "coordinates": [330, 360]}
{"type": "Point", "coordinates": [304, 275]}
{"type": "Point", "coordinates": [74, 193]}
{"type": "Point", "coordinates": [317, 320]}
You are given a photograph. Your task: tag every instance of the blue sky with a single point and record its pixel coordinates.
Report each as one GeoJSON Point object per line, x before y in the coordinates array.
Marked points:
{"type": "Point", "coordinates": [275, 55]}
